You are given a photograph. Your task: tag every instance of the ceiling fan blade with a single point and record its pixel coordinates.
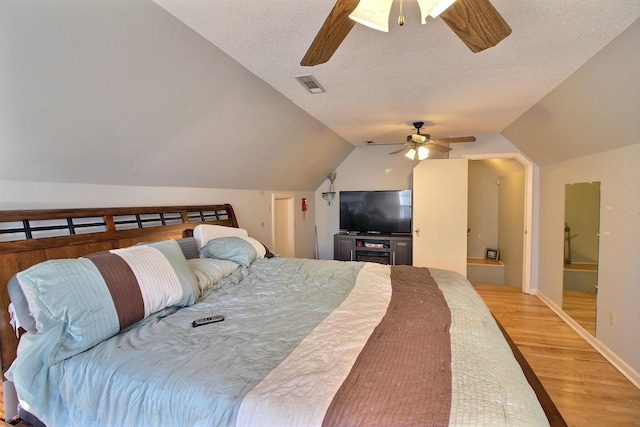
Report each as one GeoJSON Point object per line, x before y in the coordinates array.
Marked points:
{"type": "Point", "coordinates": [477, 23]}
{"type": "Point", "coordinates": [456, 139]}
{"type": "Point", "coordinates": [331, 34]}
{"type": "Point", "coordinates": [439, 148]}
{"type": "Point", "coordinates": [400, 150]}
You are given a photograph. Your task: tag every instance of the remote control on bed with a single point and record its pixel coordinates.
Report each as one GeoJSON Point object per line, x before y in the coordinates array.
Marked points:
{"type": "Point", "coordinates": [205, 320]}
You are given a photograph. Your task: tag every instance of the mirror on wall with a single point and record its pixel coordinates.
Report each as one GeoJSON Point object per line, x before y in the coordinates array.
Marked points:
{"type": "Point", "coordinates": [581, 230]}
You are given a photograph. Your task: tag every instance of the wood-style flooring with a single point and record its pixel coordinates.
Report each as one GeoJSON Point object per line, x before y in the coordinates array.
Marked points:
{"type": "Point", "coordinates": [581, 306]}
{"type": "Point", "coordinates": [585, 387]}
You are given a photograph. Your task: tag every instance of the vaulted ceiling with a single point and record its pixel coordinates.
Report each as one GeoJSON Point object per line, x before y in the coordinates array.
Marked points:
{"type": "Point", "coordinates": [200, 93]}
{"type": "Point", "coordinates": [379, 83]}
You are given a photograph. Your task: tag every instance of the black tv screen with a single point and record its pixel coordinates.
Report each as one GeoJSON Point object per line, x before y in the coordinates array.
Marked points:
{"type": "Point", "coordinates": [385, 212]}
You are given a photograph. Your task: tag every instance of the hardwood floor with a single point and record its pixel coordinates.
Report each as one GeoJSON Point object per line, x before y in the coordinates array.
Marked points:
{"type": "Point", "coordinates": [585, 387]}
{"type": "Point", "coordinates": [581, 306]}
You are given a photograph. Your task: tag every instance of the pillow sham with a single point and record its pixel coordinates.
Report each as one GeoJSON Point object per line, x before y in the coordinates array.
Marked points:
{"type": "Point", "coordinates": [206, 232]}
{"type": "Point", "coordinates": [231, 248]}
{"type": "Point", "coordinates": [210, 271]}
{"type": "Point", "coordinates": [81, 302]}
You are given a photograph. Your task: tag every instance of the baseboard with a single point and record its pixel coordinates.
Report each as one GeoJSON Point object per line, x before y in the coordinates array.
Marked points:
{"type": "Point", "coordinates": [622, 366]}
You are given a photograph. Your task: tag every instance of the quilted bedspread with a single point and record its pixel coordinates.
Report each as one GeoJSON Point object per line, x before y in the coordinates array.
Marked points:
{"type": "Point", "coordinates": [304, 342]}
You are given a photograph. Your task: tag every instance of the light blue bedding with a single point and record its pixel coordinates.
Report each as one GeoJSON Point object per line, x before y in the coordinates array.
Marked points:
{"type": "Point", "coordinates": [164, 371]}
{"type": "Point", "coordinates": [293, 329]}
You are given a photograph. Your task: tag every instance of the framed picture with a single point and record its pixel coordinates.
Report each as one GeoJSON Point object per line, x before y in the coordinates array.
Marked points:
{"type": "Point", "coordinates": [492, 254]}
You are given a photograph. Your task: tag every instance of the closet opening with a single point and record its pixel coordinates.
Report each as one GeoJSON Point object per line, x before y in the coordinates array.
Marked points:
{"type": "Point", "coordinates": [499, 220]}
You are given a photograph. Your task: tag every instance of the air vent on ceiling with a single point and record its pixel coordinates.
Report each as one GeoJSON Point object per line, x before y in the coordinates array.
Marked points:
{"type": "Point", "coordinates": [310, 83]}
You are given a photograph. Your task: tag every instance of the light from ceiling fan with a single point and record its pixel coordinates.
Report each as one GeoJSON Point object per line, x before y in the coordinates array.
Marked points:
{"type": "Point", "coordinates": [421, 153]}
{"type": "Point", "coordinates": [411, 154]}
{"type": "Point", "coordinates": [373, 14]}
{"type": "Point", "coordinates": [433, 8]}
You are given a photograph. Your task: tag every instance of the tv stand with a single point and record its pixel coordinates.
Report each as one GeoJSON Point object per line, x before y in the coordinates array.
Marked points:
{"type": "Point", "coordinates": [380, 248]}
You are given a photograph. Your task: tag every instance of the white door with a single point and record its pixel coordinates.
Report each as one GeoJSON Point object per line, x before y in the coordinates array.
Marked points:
{"type": "Point", "coordinates": [283, 225]}
{"type": "Point", "coordinates": [440, 189]}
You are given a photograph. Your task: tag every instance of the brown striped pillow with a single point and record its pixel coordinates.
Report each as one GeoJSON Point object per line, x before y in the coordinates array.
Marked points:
{"type": "Point", "coordinates": [87, 300]}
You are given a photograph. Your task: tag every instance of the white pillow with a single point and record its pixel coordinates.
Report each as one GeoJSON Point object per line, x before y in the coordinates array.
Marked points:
{"type": "Point", "coordinates": [260, 249]}
{"type": "Point", "coordinates": [205, 232]}
{"type": "Point", "coordinates": [210, 271]}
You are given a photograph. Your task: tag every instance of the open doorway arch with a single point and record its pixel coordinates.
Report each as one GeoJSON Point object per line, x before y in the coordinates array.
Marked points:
{"type": "Point", "coordinates": [528, 209]}
{"type": "Point", "coordinates": [283, 225]}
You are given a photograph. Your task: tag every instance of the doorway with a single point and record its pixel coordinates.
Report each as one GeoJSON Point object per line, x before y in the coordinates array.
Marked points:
{"type": "Point", "coordinates": [284, 225]}
{"type": "Point", "coordinates": [528, 209]}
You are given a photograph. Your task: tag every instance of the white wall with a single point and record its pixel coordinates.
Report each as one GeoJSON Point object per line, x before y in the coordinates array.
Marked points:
{"type": "Point", "coordinates": [511, 226]}
{"type": "Point", "coordinates": [252, 207]}
{"type": "Point", "coordinates": [618, 276]}
{"type": "Point", "coordinates": [482, 215]}
{"type": "Point", "coordinates": [120, 92]}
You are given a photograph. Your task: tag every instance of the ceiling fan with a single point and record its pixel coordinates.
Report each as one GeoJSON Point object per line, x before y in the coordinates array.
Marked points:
{"type": "Point", "coordinates": [418, 144]}
{"type": "Point", "coordinates": [476, 22]}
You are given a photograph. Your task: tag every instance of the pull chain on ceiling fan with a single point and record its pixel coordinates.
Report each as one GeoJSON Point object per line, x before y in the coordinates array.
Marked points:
{"type": "Point", "coordinates": [375, 13]}
{"type": "Point", "coordinates": [476, 22]}
{"type": "Point", "coordinates": [401, 16]}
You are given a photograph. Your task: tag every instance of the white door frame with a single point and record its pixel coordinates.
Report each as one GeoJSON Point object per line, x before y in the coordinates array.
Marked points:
{"type": "Point", "coordinates": [528, 209]}
{"type": "Point", "coordinates": [291, 243]}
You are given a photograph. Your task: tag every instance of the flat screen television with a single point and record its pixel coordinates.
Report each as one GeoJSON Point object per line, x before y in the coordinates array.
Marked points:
{"type": "Point", "coordinates": [376, 212]}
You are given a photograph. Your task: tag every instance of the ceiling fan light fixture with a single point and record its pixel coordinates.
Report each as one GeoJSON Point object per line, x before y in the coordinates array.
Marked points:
{"type": "Point", "coordinates": [373, 14]}
{"type": "Point", "coordinates": [440, 7]}
{"type": "Point", "coordinates": [432, 8]}
{"type": "Point", "coordinates": [411, 154]}
{"type": "Point", "coordinates": [423, 152]}
{"type": "Point", "coordinates": [426, 6]}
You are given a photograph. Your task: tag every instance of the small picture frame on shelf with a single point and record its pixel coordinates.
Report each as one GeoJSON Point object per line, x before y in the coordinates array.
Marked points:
{"type": "Point", "coordinates": [492, 254]}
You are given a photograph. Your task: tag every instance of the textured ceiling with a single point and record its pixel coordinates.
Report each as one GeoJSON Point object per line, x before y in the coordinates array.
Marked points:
{"type": "Point", "coordinates": [378, 83]}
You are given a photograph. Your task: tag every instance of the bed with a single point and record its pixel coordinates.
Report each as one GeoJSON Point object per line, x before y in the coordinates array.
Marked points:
{"type": "Point", "coordinates": [303, 342]}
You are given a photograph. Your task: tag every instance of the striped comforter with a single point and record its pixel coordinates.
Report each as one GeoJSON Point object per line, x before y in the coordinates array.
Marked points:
{"type": "Point", "coordinates": [304, 343]}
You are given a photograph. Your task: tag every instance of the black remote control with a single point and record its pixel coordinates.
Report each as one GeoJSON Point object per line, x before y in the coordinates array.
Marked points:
{"type": "Point", "coordinates": [205, 320]}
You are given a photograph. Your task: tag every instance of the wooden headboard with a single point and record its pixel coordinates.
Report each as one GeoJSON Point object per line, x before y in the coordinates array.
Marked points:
{"type": "Point", "coordinates": [28, 237]}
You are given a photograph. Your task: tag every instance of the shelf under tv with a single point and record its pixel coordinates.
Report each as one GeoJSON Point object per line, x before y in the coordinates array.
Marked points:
{"type": "Point", "coordinates": [380, 248]}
